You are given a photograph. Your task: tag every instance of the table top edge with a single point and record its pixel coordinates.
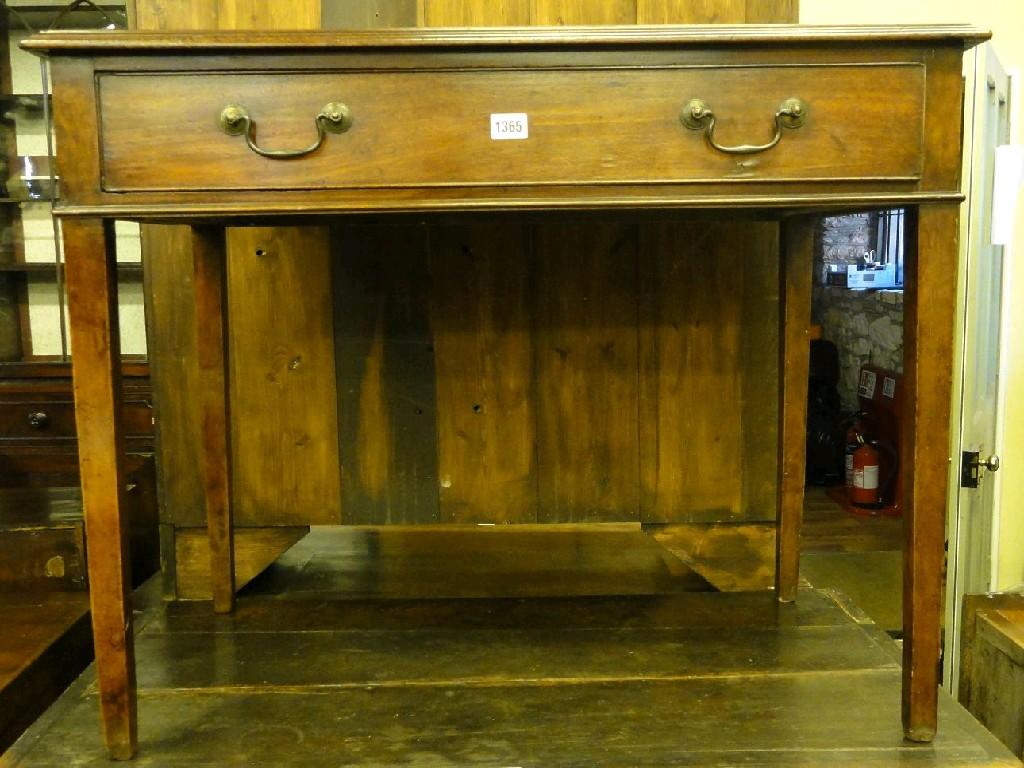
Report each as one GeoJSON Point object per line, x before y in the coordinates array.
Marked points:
{"type": "Point", "coordinates": [82, 42]}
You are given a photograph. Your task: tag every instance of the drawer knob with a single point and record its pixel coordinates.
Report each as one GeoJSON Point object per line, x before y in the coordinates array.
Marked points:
{"type": "Point", "coordinates": [38, 419]}
{"type": "Point", "coordinates": [697, 116]}
{"type": "Point", "coordinates": [335, 117]}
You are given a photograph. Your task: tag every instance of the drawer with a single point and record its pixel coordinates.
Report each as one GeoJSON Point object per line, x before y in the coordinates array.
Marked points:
{"type": "Point", "coordinates": [48, 557]}
{"type": "Point", "coordinates": [49, 419]}
{"type": "Point", "coordinates": [585, 126]}
{"type": "Point", "coordinates": [41, 419]}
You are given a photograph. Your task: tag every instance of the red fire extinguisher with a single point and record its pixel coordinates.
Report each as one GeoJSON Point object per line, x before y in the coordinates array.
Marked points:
{"type": "Point", "coordinates": [854, 439]}
{"type": "Point", "coordinates": [866, 470]}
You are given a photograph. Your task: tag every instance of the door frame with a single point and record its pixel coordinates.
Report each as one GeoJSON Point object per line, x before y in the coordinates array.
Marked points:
{"type": "Point", "coordinates": [976, 76]}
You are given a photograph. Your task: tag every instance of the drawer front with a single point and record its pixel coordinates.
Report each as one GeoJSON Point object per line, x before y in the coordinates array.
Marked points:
{"type": "Point", "coordinates": [42, 558]}
{"type": "Point", "coordinates": [426, 129]}
{"type": "Point", "coordinates": [55, 419]}
{"type": "Point", "coordinates": [42, 419]}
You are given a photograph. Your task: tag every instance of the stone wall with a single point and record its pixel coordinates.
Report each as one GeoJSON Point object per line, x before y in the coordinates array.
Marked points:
{"type": "Point", "coordinates": [842, 240]}
{"type": "Point", "coordinates": [866, 326]}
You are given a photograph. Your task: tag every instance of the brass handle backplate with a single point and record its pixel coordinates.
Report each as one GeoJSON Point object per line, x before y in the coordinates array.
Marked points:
{"type": "Point", "coordinates": [697, 116]}
{"type": "Point", "coordinates": [335, 117]}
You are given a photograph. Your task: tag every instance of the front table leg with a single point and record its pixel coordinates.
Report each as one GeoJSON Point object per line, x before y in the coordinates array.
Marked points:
{"type": "Point", "coordinates": [209, 257]}
{"type": "Point", "coordinates": [928, 309]}
{"type": "Point", "coordinates": [91, 273]}
{"type": "Point", "coordinates": [794, 360]}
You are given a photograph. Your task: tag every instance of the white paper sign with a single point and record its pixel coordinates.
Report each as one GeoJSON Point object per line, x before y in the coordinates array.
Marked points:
{"type": "Point", "coordinates": [1005, 189]}
{"type": "Point", "coordinates": [509, 125]}
{"type": "Point", "coordinates": [866, 388]}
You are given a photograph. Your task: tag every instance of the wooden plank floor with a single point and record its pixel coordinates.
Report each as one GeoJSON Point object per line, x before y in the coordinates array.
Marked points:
{"type": "Point", "coordinates": [336, 658]}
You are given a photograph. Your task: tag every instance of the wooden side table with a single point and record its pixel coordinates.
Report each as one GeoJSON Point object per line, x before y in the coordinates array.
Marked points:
{"type": "Point", "coordinates": [789, 122]}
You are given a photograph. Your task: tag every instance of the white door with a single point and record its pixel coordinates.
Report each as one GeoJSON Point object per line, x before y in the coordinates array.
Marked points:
{"type": "Point", "coordinates": [977, 381]}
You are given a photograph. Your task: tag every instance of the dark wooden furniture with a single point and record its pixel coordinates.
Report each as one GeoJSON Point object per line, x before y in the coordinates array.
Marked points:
{"type": "Point", "coordinates": [38, 443]}
{"type": "Point", "coordinates": [147, 133]}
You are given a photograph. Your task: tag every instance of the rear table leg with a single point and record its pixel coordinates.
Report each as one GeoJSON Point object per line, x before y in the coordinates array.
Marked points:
{"type": "Point", "coordinates": [794, 362]}
{"type": "Point", "coordinates": [209, 256]}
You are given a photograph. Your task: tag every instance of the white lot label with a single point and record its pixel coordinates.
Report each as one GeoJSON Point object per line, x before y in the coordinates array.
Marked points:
{"type": "Point", "coordinates": [509, 125]}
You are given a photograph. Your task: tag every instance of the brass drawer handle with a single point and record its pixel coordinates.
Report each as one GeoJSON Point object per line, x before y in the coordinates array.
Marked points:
{"type": "Point", "coordinates": [333, 118]}
{"type": "Point", "coordinates": [697, 115]}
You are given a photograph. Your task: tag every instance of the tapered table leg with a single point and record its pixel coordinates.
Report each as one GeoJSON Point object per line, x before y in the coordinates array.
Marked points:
{"type": "Point", "coordinates": [91, 273]}
{"type": "Point", "coordinates": [209, 256]}
{"type": "Point", "coordinates": [794, 360]}
{"type": "Point", "coordinates": [928, 310]}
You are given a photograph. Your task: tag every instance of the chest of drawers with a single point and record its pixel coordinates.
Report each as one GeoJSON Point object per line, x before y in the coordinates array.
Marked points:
{"type": "Point", "coordinates": [787, 122]}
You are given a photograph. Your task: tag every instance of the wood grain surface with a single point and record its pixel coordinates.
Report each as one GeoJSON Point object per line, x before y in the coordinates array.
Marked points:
{"type": "Point", "coordinates": [474, 13]}
{"type": "Point", "coordinates": [460, 682]}
{"type": "Point", "coordinates": [560, 13]}
{"type": "Point", "coordinates": [998, 686]}
{"type": "Point", "coordinates": [482, 320]}
{"type": "Point", "coordinates": [452, 337]}
{"type": "Point", "coordinates": [385, 374]}
{"type": "Point", "coordinates": [586, 368]}
{"type": "Point", "coordinates": [928, 309]}
{"type": "Point", "coordinates": [283, 394]}
{"type": "Point", "coordinates": [362, 14]}
{"type": "Point", "coordinates": [693, 12]}
{"type": "Point", "coordinates": [253, 549]}
{"type": "Point", "coordinates": [287, 404]}
{"type": "Point", "coordinates": [210, 282]}
{"type": "Point", "coordinates": [181, 15]}
{"type": "Point", "coordinates": [43, 558]}
{"type": "Point", "coordinates": [691, 369]}
{"type": "Point", "coordinates": [406, 122]}
{"type": "Point", "coordinates": [959, 35]}
{"type": "Point", "coordinates": [171, 342]}
{"type": "Point", "coordinates": [795, 279]}
{"type": "Point", "coordinates": [973, 607]}
{"type": "Point", "coordinates": [92, 301]}
{"type": "Point", "coordinates": [46, 645]}
{"type": "Point", "coordinates": [759, 372]}
{"type": "Point", "coordinates": [772, 11]}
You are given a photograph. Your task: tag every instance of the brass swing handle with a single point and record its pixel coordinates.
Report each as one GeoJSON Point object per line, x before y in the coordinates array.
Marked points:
{"type": "Point", "coordinates": [333, 118]}
{"type": "Point", "coordinates": [697, 115]}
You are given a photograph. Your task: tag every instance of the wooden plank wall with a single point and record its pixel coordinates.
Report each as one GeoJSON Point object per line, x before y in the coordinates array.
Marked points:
{"type": "Point", "coordinates": [385, 364]}
{"type": "Point", "coordinates": [556, 369]}
{"type": "Point", "coordinates": [494, 369]}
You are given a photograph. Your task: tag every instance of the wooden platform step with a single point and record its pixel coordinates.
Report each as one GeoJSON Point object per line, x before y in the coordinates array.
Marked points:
{"type": "Point", "coordinates": [45, 643]}
{"type": "Point", "coordinates": [657, 680]}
